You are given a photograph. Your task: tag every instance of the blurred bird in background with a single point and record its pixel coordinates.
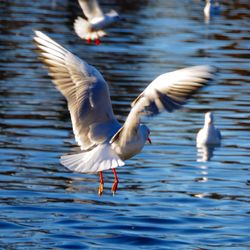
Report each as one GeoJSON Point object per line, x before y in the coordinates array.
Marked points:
{"type": "Point", "coordinates": [92, 28]}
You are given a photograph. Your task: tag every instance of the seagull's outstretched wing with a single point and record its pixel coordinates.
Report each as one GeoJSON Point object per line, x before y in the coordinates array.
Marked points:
{"type": "Point", "coordinates": [168, 91]}
{"type": "Point", "coordinates": [91, 8]}
{"type": "Point", "coordinates": [84, 88]}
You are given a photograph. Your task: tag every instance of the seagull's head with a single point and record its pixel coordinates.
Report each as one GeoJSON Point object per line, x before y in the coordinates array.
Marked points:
{"type": "Point", "coordinates": [117, 18]}
{"type": "Point", "coordinates": [146, 132]}
{"type": "Point", "coordinates": [209, 118]}
{"type": "Point", "coordinates": [114, 16]}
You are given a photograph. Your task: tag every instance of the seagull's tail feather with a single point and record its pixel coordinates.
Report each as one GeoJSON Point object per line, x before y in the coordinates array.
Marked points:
{"type": "Point", "coordinates": [82, 28]}
{"type": "Point", "coordinates": [98, 159]}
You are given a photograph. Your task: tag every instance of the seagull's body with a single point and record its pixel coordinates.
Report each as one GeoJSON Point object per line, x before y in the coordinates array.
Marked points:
{"type": "Point", "coordinates": [104, 142]}
{"type": "Point", "coordinates": [97, 21]}
{"type": "Point", "coordinates": [208, 135]}
{"type": "Point", "coordinates": [212, 7]}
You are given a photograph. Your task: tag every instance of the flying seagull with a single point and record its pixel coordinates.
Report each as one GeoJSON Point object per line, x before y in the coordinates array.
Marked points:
{"type": "Point", "coordinates": [97, 21]}
{"type": "Point", "coordinates": [104, 142]}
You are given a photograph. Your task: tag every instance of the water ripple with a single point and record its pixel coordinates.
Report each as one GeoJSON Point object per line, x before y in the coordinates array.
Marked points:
{"type": "Point", "coordinates": [167, 197]}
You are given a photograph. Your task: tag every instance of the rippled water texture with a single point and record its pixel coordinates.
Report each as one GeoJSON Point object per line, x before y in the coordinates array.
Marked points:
{"type": "Point", "coordinates": [168, 198]}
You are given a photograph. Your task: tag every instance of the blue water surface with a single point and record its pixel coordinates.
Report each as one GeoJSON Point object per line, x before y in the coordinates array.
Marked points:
{"type": "Point", "coordinates": [168, 196]}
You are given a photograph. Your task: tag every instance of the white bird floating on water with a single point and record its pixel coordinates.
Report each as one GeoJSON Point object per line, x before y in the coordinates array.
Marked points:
{"type": "Point", "coordinates": [212, 7]}
{"type": "Point", "coordinates": [92, 29]}
{"type": "Point", "coordinates": [208, 135]}
{"type": "Point", "coordinates": [104, 142]}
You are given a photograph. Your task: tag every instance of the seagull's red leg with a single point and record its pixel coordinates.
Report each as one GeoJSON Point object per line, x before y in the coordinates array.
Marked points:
{"type": "Point", "coordinates": [101, 187]}
{"type": "Point", "coordinates": [88, 40]}
{"type": "Point", "coordinates": [116, 181]}
{"type": "Point", "coordinates": [97, 41]}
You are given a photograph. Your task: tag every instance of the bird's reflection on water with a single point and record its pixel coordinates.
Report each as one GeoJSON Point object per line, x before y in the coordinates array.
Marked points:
{"type": "Point", "coordinates": [205, 153]}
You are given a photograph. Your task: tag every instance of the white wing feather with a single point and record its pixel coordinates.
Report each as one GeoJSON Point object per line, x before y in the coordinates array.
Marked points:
{"type": "Point", "coordinates": [82, 85]}
{"type": "Point", "coordinates": [91, 8]}
{"type": "Point", "coordinates": [168, 91]}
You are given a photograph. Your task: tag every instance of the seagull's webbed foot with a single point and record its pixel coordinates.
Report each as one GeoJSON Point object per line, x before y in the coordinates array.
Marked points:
{"type": "Point", "coordinates": [97, 41]}
{"type": "Point", "coordinates": [116, 181]}
{"type": "Point", "coordinates": [101, 187]}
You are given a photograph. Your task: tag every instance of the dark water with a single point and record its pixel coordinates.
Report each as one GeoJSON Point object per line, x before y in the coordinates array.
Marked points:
{"type": "Point", "coordinates": [167, 198]}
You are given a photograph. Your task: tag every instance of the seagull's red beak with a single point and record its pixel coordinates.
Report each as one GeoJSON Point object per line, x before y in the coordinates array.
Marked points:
{"type": "Point", "coordinates": [149, 140]}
